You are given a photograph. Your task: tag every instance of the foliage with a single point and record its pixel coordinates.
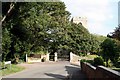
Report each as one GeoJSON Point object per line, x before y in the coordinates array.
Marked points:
{"type": "Point", "coordinates": [98, 61]}
{"type": "Point", "coordinates": [43, 59]}
{"type": "Point", "coordinates": [26, 28]}
{"type": "Point", "coordinates": [43, 27]}
{"type": "Point", "coordinates": [115, 34]}
{"type": "Point", "coordinates": [14, 69]}
{"type": "Point", "coordinates": [77, 38]}
{"type": "Point", "coordinates": [96, 41]}
{"type": "Point", "coordinates": [109, 64]}
{"type": "Point", "coordinates": [41, 52]}
{"type": "Point", "coordinates": [91, 56]}
{"type": "Point", "coordinates": [116, 69]}
{"type": "Point", "coordinates": [83, 60]}
{"type": "Point", "coordinates": [110, 50]}
{"type": "Point", "coordinates": [88, 61]}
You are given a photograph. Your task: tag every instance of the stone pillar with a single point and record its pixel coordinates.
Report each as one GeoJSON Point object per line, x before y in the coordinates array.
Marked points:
{"type": "Point", "coordinates": [26, 58]}
{"type": "Point", "coordinates": [47, 57]}
{"type": "Point", "coordinates": [71, 56]}
{"type": "Point", "coordinates": [55, 58]}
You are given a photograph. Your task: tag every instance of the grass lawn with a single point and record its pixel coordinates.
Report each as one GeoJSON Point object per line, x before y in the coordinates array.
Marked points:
{"type": "Point", "coordinates": [91, 56]}
{"type": "Point", "coordinates": [14, 69]}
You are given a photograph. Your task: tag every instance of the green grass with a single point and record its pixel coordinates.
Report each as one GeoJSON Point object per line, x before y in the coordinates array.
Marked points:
{"type": "Point", "coordinates": [88, 61]}
{"type": "Point", "coordinates": [91, 56]}
{"type": "Point", "coordinates": [14, 69]}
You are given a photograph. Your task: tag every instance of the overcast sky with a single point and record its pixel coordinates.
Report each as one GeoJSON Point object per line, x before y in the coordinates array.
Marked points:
{"type": "Point", "coordinates": [102, 14]}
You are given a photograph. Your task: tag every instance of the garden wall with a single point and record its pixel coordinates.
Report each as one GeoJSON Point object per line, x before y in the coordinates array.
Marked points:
{"type": "Point", "coordinates": [74, 57]}
{"type": "Point", "coordinates": [100, 72]}
{"type": "Point", "coordinates": [37, 58]}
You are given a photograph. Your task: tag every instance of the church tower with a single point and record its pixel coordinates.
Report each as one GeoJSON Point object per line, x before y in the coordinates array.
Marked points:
{"type": "Point", "coordinates": [82, 20]}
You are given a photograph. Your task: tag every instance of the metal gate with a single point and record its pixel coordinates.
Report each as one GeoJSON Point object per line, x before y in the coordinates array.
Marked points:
{"type": "Point", "coordinates": [51, 57]}
{"type": "Point", "coordinates": [63, 57]}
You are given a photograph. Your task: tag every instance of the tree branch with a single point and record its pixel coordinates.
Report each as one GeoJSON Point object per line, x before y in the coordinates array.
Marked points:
{"type": "Point", "coordinates": [11, 7]}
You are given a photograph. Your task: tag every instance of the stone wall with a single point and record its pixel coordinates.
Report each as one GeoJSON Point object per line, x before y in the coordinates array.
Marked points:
{"type": "Point", "coordinates": [38, 58]}
{"type": "Point", "coordinates": [100, 72]}
{"type": "Point", "coordinates": [31, 59]}
{"type": "Point", "coordinates": [74, 57]}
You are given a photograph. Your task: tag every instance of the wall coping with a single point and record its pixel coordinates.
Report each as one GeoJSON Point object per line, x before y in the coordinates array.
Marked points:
{"type": "Point", "coordinates": [90, 65]}
{"type": "Point", "coordinates": [100, 71]}
{"type": "Point", "coordinates": [110, 70]}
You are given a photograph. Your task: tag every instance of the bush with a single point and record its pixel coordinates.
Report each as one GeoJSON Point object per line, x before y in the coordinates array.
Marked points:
{"type": "Point", "coordinates": [110, 50]}
{"type": "Point", "coordinates": [82, 60]}
{"type": "Point", "coordinates": [43, 59]}
{"type": "Point", "coordinates": [98, 61]}
{"type": "Point", "coordinates": [88, 61]}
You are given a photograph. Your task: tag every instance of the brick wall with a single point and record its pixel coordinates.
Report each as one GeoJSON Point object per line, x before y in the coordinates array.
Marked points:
{"type": "Point", "coordinates": [103, 72]}
{"type": "Point", "coordinates": [100, 72]}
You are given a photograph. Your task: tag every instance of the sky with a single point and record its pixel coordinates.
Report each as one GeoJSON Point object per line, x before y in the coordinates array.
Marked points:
{"type": "Point", "coordinates": [102, 15]}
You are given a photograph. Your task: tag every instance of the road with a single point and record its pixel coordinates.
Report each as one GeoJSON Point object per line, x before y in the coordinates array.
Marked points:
{"type": "Point", "coordinates": [57, 70]}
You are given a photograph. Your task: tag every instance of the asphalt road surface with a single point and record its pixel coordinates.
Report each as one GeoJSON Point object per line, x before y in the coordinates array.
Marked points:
{"type": "Point", "coordinates": [49, 70]}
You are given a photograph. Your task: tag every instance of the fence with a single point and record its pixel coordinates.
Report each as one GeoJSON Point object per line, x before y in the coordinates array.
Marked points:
{"type": "Point", "coordinates": [6, 63]}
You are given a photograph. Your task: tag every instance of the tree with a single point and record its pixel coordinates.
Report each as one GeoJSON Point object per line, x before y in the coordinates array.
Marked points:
{"type": "Point", "coordinates": [115, 34]}
{"type": "Point", "coordinates": [10, 6]}
{"type": "Point", "coordinates": [95, 42]}
{"type": "Point", "coordinates": [77, 38]}
{"type": "Point", "coordinates": [110, 50]}
{"type": "Point", "coordinates": [38, 26]}
{"type": "Point", "coordinates": [29, 25]}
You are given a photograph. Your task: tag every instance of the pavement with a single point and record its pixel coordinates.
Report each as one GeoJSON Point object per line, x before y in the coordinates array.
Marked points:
{"type": "Point", "coordinates": [61, 70]}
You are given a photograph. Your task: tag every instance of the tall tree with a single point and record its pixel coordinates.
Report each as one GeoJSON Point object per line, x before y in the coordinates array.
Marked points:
{"type": "Point", "coordinates": [115, 34]}
{"type": "Point", "coordinates": [110, 50]}
{"type": "Point", "coordinates": [32, 26]}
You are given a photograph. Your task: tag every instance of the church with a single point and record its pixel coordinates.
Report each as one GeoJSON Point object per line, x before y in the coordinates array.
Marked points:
{"type": "Point", "coordinates": [82, 20]}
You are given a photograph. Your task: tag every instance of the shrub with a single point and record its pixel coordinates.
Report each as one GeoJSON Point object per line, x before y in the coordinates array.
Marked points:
{"type": "Point", "coordinates": [98, 61]}
{"type": "Point", "coordinates": [43, 59]}
{"type": "Point", "coordinates": [82, 60]}
{"type": "Point", "coordinates": [110, 50]}
{"type": "Point", "coordinates": [88, 61]}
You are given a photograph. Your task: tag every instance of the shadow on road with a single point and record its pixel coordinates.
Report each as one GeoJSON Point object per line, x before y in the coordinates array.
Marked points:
{"type": "Point", "coordinates": [74, 73]}
{"type": "Point", "coordinates": [56, 76]}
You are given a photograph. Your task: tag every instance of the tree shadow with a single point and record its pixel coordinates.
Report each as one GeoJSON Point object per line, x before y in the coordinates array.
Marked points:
{"type": "Point", "coordinates": [71, 70]}
{"type": "Point", "coordinates": [75, 73]}
{"type": "Point", "coordinates": [56, 76]}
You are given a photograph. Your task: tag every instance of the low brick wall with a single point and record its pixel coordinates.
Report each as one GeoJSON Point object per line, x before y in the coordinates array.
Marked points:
{"type": "Point", "coordinates": [103, 72]}
{"type": "Point", "coordinates": [89, 70]}
{"type": "Point", "coordinates": [100, 72]}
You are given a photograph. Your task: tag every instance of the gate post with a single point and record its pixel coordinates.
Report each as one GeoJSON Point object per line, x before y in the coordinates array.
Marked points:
{"type": "Point", "coordinates": [47, 58]}
{"type": "Point", "coordinates": [55, 58]}
{"type": "Point", "coordinates": [26, 57]}
{"type": "Point", "coordinates": [71, 56]}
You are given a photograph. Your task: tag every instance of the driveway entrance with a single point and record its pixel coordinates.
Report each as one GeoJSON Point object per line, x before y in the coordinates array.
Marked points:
{"type": "Point", "coordinates": [56, 70]}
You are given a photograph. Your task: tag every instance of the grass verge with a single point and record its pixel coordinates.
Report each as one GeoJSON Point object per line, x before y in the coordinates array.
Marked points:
{"type": "Point", "coordinates": [14, 69]}
{"type": "Point", "coordinates": [91, 56]}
